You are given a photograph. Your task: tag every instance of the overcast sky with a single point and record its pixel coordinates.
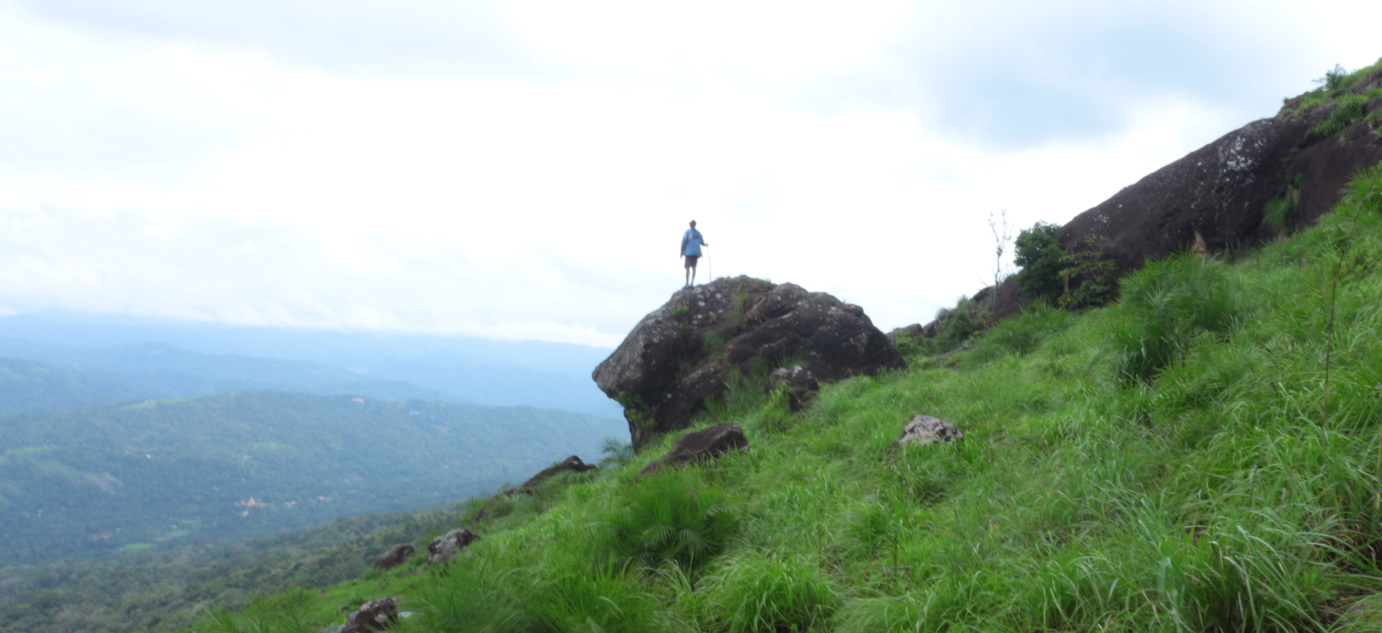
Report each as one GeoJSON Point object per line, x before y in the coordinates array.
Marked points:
{"type": "Point", "coordinates": [524, 170]}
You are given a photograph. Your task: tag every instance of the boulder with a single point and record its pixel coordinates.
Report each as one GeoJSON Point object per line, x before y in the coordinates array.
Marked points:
{"type": "Point", "coordinates": [570, 464]}
{"type": "Point", "coordinates": [375, 615]}
{"type": "Point", "coordinates": [447, 546]}
{"type": "Point", "coordinates": [1219, 192]}
{"type": "Point", "coordinates": [397, 555]}
{"type": "Point", "coordinates": [799, 382]}
{"type": "Point", "coordinates": [700, 446]}
{"type": "Point", "coordinates": [683, 355]}
{"type": "Point", "coordinates": [924, 430]}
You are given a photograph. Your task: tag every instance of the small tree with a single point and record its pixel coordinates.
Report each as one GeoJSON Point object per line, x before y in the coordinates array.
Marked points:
{"type": "Point", "coordinates": [1039, 253]}
{"type": "Point", "coordinates": [1002, 234]}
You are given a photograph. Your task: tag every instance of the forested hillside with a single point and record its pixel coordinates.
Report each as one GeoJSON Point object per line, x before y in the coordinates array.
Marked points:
{"type": "Point", "coordinates": [162, 589]}
{"type": "Point", "coordinates": [230, 466]}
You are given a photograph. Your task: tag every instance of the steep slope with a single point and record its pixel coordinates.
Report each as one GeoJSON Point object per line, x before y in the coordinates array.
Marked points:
{"type": "Point", "coordinates": [1217, 197]}
{"type": "Point", "coordinates": [1200, 456]}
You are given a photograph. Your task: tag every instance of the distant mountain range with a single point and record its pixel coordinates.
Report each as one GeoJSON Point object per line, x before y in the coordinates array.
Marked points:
{"type": "Point", "coordinates": [121, 433]}
{"type": "Point", "coordinates": [229, 466]}
{"type": "Point", "coordinates": [71, 377]}
{"type": "Point", "coordinates": [117, 357]}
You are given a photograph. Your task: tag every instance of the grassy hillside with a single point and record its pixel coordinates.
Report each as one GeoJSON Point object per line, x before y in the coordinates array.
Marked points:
{"type": "Point", "coordinates": [232, 466]}
{"type": "Point", "coordinates": [1203, 455]}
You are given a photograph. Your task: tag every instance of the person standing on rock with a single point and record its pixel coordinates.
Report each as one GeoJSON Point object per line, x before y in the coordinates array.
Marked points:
{"type": "Point", "coordinates": [691, 243]}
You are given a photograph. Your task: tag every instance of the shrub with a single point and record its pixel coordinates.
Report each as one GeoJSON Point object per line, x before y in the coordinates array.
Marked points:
{"type": "Point", "coordinates": [1166, 306]}
{"type": "Point", "coordinates": [671, 517]}
{"type": "Point", "coordinates": [1348, 111]}
{"type": "Point", "coordinates": [1022, 334]}
{"type": "Point", "coordinates": [1039, 253]}
{"type": "Point", "coordinates": [954, 327]}
{"type": "Point", "coordinates": [1280, 214]}
{"type": "Point", "coordinates": [756, 592]}
{"type": "Point", "coordinates": [607, 600]}
{"type": "Point", "coordinates": [1093, 273]}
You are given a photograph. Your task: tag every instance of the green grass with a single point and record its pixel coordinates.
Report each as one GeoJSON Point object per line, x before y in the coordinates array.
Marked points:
{"type": "Point", "coordinates": [1166, 463]}
{"type": "Point", "coordinates": [1348, 111]}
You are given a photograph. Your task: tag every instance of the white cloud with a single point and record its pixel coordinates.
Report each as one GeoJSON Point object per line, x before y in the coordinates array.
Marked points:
{"type": "Point", "coordinates": [532, 181]}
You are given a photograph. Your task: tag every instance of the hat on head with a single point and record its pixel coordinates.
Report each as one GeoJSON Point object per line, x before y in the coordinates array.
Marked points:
{"type": "Point", "coordinates": [693, 223]}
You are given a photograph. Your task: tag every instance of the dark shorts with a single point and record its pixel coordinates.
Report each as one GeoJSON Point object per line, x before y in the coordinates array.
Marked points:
{"type": "Point", "coordinates": [691, 260]}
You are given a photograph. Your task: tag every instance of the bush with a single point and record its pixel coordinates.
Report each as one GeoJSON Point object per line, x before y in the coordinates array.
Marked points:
{"type": "Point", "coordinates": [672, 517]}
{"type": "Point", "coordinates": [1022, 334]}
{"type": "Point", "coordinates": [756, 593]}
{"type": "Point", "coordinates": [1093, 274]}
{"type": "Point", "coordinates": [1166, 306]}
{"type": "Point", "coordinates": [954, 327]}
{"type": "Point", "coordinates": [1348, 111]}
{"type": "Point", "coordinates": [1039, 253]}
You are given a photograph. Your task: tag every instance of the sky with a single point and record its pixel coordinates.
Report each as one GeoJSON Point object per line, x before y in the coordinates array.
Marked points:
{"type": "Point", "coordinates": [524, 170]}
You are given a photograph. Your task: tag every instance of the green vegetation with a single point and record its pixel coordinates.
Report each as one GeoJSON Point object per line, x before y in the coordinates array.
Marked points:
{"type": "Point", "coordinates": [1280, 214]}
{"type": "Point", "coordinates": [166, 589]}
{"type": "Point", "coordinates": [1336, 87]}
{"type": "Point", "coordinates": [1039, 253]}
{"type": "Point", "coordinates": [222, 468]}
{"type": "Point", "coordinates": [1202, 455]}
{"type": "Point", "coordinates": [1074, 280]}
{"type": "Point", "coordinates": [1348, 111]}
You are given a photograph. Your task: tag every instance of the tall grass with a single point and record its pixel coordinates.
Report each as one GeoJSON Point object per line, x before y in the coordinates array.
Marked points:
{"type": "Point", "coordinates": [1167, 306]}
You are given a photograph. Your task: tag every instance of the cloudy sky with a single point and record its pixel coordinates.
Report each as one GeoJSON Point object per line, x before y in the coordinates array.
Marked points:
{"type": "Point", "coordinates": [524, 170]}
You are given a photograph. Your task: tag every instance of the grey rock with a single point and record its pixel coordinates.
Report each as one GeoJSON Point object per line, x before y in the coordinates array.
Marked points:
{"type": "Point", "coordinates": [570, 464]}
{"type": "Point", "coordinates": [680, 356]}
{"type": "Point", "coordinates": [447, 546]}
{"type": "Point", "coordinates": [924, 430]}
{"type": "Point", "coordinates": [375, 615]}
{"type": "Point", "coordinates": [799, 382]}
{"type": "Point", "coordinates": [700, 446]}
{"type": "Point", "coordinates": [397, 555]}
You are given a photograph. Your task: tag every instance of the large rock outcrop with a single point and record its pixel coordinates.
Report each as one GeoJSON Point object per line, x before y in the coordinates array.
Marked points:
{"type": "Point", "coordinates": [683, 354]}
{"type": "Point", "coordinates": [1219, 192]}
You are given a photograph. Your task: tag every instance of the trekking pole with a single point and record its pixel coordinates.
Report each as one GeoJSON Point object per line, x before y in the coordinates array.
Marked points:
{"type": "Point", "coordinates": [710, 263]}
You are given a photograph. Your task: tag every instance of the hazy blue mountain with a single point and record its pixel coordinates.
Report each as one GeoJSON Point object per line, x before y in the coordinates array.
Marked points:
{"type": "Point", "coordinates": [64, 377]}
{"type": "Point", "coordinates": [27, 385]}
{"type": "Point", "coordinates": [484, 371]}
{"type": "Point", "coordinates": [230, 466]}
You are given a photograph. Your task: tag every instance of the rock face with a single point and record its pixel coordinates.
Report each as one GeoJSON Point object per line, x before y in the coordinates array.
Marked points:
{"type": "Point", "coordinates": [1220, 190]}
{"type": "Point", "coordinates": [683, 354]}
{"type": "Point", "coordinates": [800, 383]}
{"type": "Point", "coordinates": [924, 430]}
{"type": "Point", "coordinates": [447, 546]}
{"type": "Point", "coordinates": [701, 445]}
{"type": "Point", "coordinates": [397, 555]}
{"type": "Point", "coordinates": [375, 615]}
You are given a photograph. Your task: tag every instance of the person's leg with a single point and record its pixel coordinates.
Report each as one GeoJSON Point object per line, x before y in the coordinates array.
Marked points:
{"type": "Point", "coordinates": [693, 273]}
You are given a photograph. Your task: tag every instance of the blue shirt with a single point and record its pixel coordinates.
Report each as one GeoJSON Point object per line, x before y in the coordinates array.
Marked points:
{"type": "Point", "coordinates": [691, 243]}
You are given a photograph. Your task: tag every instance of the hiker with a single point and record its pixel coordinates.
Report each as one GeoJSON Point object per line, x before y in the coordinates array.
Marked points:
{"type": "Point", "coordinates": [691, 243]}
